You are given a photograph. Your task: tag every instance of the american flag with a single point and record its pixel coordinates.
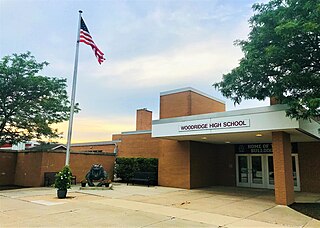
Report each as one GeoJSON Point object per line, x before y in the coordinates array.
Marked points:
{"type": "Point", "coordinates": [86, 38]}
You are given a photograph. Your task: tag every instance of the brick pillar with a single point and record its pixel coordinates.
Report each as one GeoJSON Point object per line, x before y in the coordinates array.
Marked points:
{"type": "Point", "coordinates": [274, 101]}
{"type": "Point", "coordinates": [143, 119]}
{"type": "Point", "coordinates": [283, 174]}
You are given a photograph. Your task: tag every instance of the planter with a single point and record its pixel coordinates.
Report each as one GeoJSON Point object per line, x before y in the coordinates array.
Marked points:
{"type": "Point", "coordinates": [62, 193]}
{"type": "Point", "coordinates": [83, 184]}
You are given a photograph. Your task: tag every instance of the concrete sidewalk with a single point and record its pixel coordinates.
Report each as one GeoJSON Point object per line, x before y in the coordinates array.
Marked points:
{"type": "Point", "coordinates": [140, 206]}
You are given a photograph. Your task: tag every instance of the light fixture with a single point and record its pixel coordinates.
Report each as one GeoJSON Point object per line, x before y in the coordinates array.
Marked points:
{"type": "Point", "coordinates": [204, 138]}
{"type": "Point", "coordinates": [259, 135]}
{"type": "Point", "coordinates": [227, 142]}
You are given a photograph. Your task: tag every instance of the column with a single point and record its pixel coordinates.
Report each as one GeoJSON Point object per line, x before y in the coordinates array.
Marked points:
{"type": "Point", "coordinates": [283, 174]}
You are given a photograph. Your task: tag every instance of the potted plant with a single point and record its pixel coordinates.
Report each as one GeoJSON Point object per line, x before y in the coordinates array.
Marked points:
{"type": "Point", "coordinates": [108, 182]}
{"type": "Point", "coordinates": [63, 181]}
{"type": "Point", "coordinates": [83, 183]}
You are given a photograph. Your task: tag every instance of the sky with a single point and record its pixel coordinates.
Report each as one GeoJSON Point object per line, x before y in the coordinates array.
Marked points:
{"type": "Point", "coordinates": [151, 46]}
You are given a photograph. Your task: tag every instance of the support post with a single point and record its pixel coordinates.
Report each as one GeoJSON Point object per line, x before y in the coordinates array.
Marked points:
{"type": "Point", "coordinates": [283, 173]}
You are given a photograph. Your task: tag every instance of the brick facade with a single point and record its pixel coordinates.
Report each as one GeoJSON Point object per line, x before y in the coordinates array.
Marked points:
{"type": "Point", "coordinates": [8, 161]}
{"type": "Point", "coordinates": [183, 164]}
{"type": "Point", "coordinates": [187, 103]}
{"type": "Point", "coordinates": [138, 145]}
{"type": "Point", "coordinates": [143, 120]}
{"type": "Point", "coordinates": [174, 164]}
{"type": "Point", "coordinates": [309, 163]}
{"type": "Point", "coordinates": [208, 161]}
{"type": "Point", "coordinates": [107, 148]}
{"type": "Point", "coordinates": [282, 162]}
{"type": "Point", "coordinates": [31, 166]}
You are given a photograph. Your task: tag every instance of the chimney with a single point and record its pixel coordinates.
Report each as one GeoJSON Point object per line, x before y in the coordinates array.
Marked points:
{"type": "Point", "coordinates": [274, 101]}
{"type": "Point", "coordinates": [144, 119]}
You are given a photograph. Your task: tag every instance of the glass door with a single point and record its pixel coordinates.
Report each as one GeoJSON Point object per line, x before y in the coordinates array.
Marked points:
{"type": "Point", "coordinates": [270, 172]}
{"type": "Point", "coordinates": [250, 171]}
{"type": "Point", "coordinates": [257, 171]}
{"type": "Point", "coordinates": [243, 170]}
{"type": "Point", "coordinates": [295, 169]}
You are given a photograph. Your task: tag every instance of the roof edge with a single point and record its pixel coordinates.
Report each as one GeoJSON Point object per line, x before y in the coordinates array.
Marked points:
{"type": "Point", "coordinates": [185, 89]}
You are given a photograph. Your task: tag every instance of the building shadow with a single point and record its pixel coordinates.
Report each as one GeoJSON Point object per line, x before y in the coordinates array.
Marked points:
{"type": "Point", "coordinates": [309, 209]}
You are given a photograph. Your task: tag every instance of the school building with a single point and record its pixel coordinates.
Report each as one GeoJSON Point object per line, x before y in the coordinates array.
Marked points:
{"type": "Point", "coordinates": [199, 144]}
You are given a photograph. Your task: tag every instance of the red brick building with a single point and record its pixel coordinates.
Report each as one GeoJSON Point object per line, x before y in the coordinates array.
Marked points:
{"type": "Point", "coordinates": [199, 143]}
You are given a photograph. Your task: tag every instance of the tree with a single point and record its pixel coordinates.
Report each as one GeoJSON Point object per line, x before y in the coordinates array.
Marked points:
{"type": "Point", "coordinates": [29, 103]}
{"type": "Point", "coordinates": [281, 58]}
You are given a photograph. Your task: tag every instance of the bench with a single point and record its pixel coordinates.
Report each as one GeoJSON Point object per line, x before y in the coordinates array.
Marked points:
{"type": "Point", "coordinates": [143, 177]}
{"type": "Point", "coordinates": [49, 178]}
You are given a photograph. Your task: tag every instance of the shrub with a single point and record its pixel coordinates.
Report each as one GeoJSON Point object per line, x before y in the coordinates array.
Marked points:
{"type": "Point", "coordinates": [63, 179]}
{"type": "Point", "coordinates": [126, 167]}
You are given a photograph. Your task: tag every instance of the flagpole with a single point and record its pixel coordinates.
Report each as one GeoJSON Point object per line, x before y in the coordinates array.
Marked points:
{"type": "Point", "coordinates": [73, 93]}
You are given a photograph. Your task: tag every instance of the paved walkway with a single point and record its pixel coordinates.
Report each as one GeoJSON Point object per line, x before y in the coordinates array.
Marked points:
{"type": "Point", "coordinates": [140, 206]}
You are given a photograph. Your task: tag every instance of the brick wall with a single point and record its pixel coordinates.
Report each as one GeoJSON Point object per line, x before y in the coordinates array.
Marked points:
{"type": "Point", "coordinates": [212, 164]}
{"type": "Point", "coordinates": [8, 162]}
{"type": "Point", "coordinates": [175, 105]}
{"type": "Point", "coordinates": [309, 164]}
{"type": "Point", "coordinates": [201, 104]}
{"type": "Point", "coordinates": [174, 164]}
{"type": "Point", "coordinates": [187, 103]}
{"type": "Point", "coordinates": [226, 167]}
{"type": "Point", "coordinates": [203, 165]}
{"type": "Point", "coordinates": [116, 137]}
{"type": "Point", "coordinates": [138, 145]}
{"type": "Point", "coordinates": [30, 167]}
{"type": "Point", "coordinates": [104, 148]}
{"type": "Point", "coordinates": [143, 120]}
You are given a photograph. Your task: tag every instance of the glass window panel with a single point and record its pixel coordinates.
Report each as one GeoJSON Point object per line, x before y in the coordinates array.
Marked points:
{"type": "Point", "coordinates": [243, 169]}
{"type": "Point", "coordinates": [270, 170]}
{"type": "Point", "coordinates": [295, 181]}
{"type": "Point", "coordinates": [257, 170]}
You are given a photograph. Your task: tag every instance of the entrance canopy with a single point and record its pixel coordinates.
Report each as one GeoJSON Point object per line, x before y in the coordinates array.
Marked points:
{"type": "Point", "coordinates": [253, 125]}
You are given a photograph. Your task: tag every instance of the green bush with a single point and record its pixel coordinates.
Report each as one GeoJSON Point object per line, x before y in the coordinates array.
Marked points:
{"type": "Point", "coordinates": [126, 167]}
{"type": "Point", "coordinates": [63, 179]}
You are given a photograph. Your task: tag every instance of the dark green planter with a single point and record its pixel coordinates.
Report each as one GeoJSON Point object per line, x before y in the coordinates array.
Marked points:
{"type": "Point", "coordinates": [62, 193]}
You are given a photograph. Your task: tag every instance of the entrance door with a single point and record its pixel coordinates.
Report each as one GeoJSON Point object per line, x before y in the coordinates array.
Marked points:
{"type": "Point", "coordinates": [250, 171]}
{"type": "Point", "coordinates": [243, 171]}
{"type": "Point", "coordinates": [295, 169]}
{"type": "Point", "coordinates": [257, 171]}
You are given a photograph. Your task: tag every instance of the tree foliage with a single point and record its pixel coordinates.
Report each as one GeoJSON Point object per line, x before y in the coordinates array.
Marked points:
{"type": "Point", "coordinates": [29, 103]}
{"type": "Point", "coordinates": [126, 167]}
{"type": "Point", "coordinates": [281, 58]}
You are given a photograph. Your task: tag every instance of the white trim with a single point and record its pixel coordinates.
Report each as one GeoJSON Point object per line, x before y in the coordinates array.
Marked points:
{"type": "Point", "coordinates": [240, 112]}
{"type": "Point", "coordinates": [56, 147]}
{"type": "Point", "coordinates": [97, 143]}
{"type": "Point", "coordinates": [270, 118]}
{"type": "Point", "coordinates": [136, 132]}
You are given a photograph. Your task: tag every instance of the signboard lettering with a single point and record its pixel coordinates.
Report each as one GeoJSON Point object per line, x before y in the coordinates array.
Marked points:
{"type": "Point", "coordinates": [206, 125]}
{"type": "Point", "coordinates": [260, 148]}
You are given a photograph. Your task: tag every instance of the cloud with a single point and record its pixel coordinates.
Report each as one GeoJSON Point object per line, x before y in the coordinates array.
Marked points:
{"type": "Point", "coordinates": [207, 60]}
{"type": "Point", "coordinates": [86, 129]}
